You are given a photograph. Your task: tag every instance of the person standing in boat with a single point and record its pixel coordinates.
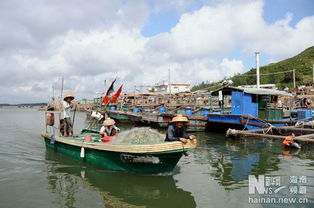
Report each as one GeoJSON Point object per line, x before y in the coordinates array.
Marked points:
{"type": "Point", "coordinates": [108, 128]}
{"type": "Point", "coordinates": [66, 118]}
{"type": "Point", "coordinates": [177, 131]}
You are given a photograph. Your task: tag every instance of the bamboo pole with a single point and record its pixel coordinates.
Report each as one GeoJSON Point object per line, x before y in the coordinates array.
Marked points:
{"type": "Point", "coordinates": [313, 72]}
{"type": "Point", "coordinates": [250, 134]}
{"type": "Point", "coordinates": [75, 108]}
{"type": "Point", "coordinates": [61, 105]}
{"type": "Point", "coordinates": [303, 138]}
{"type": "Point", "coordinates": [294, 79]}
{"type": "Point", "coordinates": [285, 128]}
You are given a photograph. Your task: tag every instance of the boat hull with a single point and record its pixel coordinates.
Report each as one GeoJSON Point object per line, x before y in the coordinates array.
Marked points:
{"type": "Point", "coordinates": [119, 116]}
{"type": "Point", "coordinates": [154, 162]}
{"type": "Point", "coordinates": [222, 122]}
{"type": "Point", "coordinates": [157, 121]}
{"type": "Point", "coordinates": [196, 123]}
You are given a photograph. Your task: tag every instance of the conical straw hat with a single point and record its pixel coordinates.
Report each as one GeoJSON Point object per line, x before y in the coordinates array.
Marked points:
{"type": "Point", "coordinates": [68, 96]}
{"type": "Point", "coordinates": [180, 118]}
{"type": "Point", "coordinates": [109, 122]}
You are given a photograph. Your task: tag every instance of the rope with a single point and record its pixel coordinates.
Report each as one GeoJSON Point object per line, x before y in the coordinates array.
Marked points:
{"type": "Point", "coordinates": [184, 152]}
{"type": "Point", "coordinates": [247, 121]}
{"type": "Point", "coordinates": [251, 75]}
{"type": "Point", "coordinates": [269, 128]}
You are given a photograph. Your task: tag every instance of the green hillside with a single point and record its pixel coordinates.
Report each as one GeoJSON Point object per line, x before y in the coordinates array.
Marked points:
{"type": "Point", "coordinates": [271, 74]}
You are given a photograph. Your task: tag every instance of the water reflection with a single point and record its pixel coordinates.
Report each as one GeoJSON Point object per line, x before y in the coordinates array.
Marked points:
{"type": "Point", "coordinates": [233, 160]}
{"type": "Point", "coordinates": [117, 189]}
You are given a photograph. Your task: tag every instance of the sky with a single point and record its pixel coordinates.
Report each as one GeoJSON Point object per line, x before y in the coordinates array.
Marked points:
{"type": "Point", "coordinates": [139, 41]}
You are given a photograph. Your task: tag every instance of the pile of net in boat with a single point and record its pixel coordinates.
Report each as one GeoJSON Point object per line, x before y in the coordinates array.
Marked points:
{"type": "Point", "coordinates": [139, 136]}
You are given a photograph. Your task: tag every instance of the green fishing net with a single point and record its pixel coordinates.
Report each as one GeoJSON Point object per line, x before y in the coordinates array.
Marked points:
{"type": "Point", "coordinates": [139, 136]}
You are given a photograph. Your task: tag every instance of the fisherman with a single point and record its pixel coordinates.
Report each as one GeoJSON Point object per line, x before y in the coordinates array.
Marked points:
{"type": "Point", "coordinates": [108, 128]}
{"type": "Point", "coordinates": [308, 103]}
{"type": "Point", "coordinates": [305, 103]}
{"type": "Point", "coordinates": [177, 131]}
{"type": "Point", "coordinates": [66, 118]}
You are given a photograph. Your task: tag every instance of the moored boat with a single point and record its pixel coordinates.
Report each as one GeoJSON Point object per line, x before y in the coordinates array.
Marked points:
{"type": "Point", "coordinates": [120, 116]}
{"type": "Point", "coordinates": [134, 117]}
{"type": "Point", "coordinates": [196, 123]}
{"type": "Point", "coordinates": [250, 108]}
{"type": "Point", "coordinates": [157, 119]}
{"type": "Point", "coordinates": [138, 158]}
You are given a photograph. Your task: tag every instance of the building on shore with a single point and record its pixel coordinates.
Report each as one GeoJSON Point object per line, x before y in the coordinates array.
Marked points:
{"type": "Point", "coordinates": [172, 88]}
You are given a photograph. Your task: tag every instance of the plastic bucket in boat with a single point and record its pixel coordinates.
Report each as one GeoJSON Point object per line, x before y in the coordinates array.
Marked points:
{"type": "Point", "coordinates": [162, 109]}
{"type": "Point", "coordinates": [113, 107]}
{"type": "Point", "coordinates": [88, 138]}
{"type": "Point", "coordinates": [188, 112]}
{"type": "Point", "coordinates": [137, 110]}
{"type": "Point", "coordinates": [107, 139]}
{"type": "Point", "coordinates": [205, 112]}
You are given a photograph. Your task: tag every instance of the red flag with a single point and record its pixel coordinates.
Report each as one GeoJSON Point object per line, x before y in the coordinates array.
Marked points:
{"type": "Point", "coordinates": [109, 91]}
{"type": "Point", "coordinates": [115, 97]}
{"type": "Point", "coordinates": [105, 100]}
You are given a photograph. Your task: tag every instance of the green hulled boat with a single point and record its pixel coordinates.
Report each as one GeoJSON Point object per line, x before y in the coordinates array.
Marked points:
{"type": "Point", "coordinates": [138, 158]}
{"type": "Point", "coordinates": [196, 123]}
{"type": "Point", "coordinates": [134, 117]}
{"type": "Point", "coordinates": [120, 116]}
{"type": "Point", "coordinates": [157, 120]}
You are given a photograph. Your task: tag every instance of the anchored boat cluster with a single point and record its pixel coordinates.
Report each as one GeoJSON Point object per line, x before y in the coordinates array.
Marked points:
{"type": "Point", "coordinates": [246, 112]}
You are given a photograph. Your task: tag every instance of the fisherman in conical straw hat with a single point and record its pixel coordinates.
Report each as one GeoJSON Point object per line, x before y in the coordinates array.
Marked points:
{"type": "Point", "coordinates": [108, 128]}
{"type": "Point", "coordinates": [67, 105]}
{"type": "Point", "coordinates": [177, 131]}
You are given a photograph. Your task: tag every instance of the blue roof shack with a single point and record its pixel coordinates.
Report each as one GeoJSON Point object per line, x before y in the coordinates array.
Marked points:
{"type": "Point", "coordinates": [248, 101]}
{"type": "Point", "coordinates": [247, 105]}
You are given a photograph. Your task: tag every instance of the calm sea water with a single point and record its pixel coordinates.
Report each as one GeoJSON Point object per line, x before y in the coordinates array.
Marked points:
{"type": "Point", "coordinates": [214, 175]}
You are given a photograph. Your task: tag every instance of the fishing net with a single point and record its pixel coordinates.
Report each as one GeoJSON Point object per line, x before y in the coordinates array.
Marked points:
{"type": "Point", "coordinates": [139, 136]}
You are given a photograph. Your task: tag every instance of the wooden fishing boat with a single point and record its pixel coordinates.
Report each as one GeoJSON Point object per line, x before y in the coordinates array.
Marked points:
{"type": "Point", "coordinates": [119, 116]}
{"type": "Point", "coordinates": [134, 117]}
{"type": "Point", "coordinates": [196, 123]}
{"type": "Point", "coordinates": [138, 158]}
{"type": "Point", "coordinates": [157, 120]}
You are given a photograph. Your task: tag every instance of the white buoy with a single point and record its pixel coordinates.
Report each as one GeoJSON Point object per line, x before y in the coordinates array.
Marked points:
{"type": "Point", "coordinates": [82, 152]}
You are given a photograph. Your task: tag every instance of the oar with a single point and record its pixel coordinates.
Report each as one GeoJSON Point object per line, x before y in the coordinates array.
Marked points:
{"type": "Point", "coordinates": [61, 108]}
{"type": "Point", "coordinates": [74, 118]}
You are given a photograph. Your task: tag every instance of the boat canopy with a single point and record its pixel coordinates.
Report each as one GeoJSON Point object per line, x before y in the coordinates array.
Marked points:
{"type": "Point", "coordinates": [253, 91]}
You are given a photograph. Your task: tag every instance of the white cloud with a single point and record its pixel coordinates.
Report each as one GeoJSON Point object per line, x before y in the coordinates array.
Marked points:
{"type": "Point", "coordinates": [216, 31]}
{"type": "Point", "coordinates": [88, 50]}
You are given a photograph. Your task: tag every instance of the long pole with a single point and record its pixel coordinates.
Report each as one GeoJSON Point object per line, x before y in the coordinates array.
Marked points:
{"type": "Point", "coordinates": [169, 80]}
{"type": "Point", "coordinates": [313, 72]}
{"type": "Point", "coordinates": [293, 78]}
{"type": "Point", "coordinates": [303, 138]}
{"type": "Point", "coordinates": [61, 92]}
{"type": "Point", "coordinates": [257, 70]}
{"type": "Point", "coordinates": [53, 93]}
{"type": "Point", "coordinates": [73, 118]}
{"type": "Point", "coordinates": [61, 106]}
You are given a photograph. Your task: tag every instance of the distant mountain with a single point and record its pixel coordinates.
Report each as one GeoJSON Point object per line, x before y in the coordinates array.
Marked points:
{"type": "Point", "coordinates": [271, 73]}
